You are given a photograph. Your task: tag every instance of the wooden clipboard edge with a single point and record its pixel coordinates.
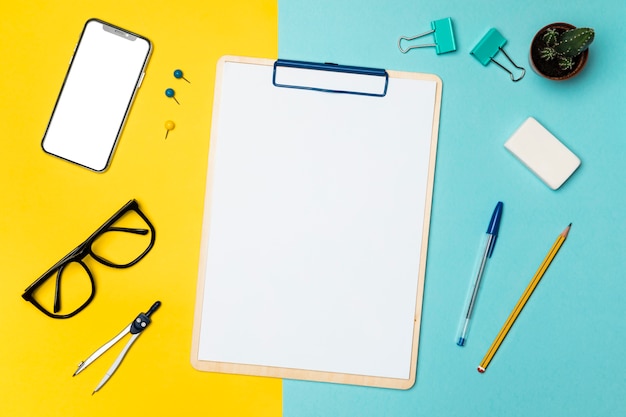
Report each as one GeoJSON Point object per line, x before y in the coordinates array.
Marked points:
{"type": "Point", "coordinates": [204, 240]}
{"type": "Point", "coordinates": [432, 160]}
{"type": "Point", "coordinates": [303, 374]}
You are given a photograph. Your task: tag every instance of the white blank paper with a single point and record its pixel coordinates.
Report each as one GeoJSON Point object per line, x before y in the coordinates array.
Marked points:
{"type": "Point", "coordinates": [314, 225]}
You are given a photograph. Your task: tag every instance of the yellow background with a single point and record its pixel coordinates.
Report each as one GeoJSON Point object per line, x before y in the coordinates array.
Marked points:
{"type": "Point", "coordinates": [48, 206]}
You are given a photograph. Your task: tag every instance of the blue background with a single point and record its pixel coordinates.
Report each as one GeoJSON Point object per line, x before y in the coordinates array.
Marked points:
{"type": "Point", "coordinates": [565, 353]}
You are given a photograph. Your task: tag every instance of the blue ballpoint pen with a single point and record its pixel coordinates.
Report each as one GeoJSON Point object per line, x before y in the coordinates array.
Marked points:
{"type": "Point", "coordinates": [492, 234]}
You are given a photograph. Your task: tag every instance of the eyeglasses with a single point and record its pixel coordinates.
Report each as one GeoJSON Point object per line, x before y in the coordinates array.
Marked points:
{"type": "Point", "coordinates": [121, 242]}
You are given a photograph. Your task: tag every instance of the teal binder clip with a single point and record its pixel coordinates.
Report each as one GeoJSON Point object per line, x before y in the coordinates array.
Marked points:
{"type": "Point", "coordinates": [489, 46]}
{"type": "Point", "coordinates": [443, 35]}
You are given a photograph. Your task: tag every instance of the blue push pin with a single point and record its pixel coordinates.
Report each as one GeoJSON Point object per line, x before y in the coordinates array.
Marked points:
{"type": "Point", "coordinates": [179, 74]}
{"type": "Point", "coordinates": [170, 93]}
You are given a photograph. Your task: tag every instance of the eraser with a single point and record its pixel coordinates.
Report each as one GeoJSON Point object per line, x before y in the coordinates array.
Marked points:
{"type": "Point", "coordinates": [542, 153]}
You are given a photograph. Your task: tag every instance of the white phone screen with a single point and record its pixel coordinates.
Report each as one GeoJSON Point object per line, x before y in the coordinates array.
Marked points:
{"type": "Point", "coordinates": [97, 93]}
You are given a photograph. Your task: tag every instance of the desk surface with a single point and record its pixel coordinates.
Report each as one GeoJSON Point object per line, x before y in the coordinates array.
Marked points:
{"type": "Point", "coordinates": [50, 206]}
{"type": "Point", "coordinates": [564, 355]}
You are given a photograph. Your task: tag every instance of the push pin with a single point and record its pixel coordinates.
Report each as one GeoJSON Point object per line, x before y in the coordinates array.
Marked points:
{"type": "Point", "coordinates": [179, 74]}
{"type": "Point", "coordinates": [492, 43]}
{"type": "Point", "coordinates": [442, 33]}
{"type": "Point", "coordinates": [170, 93]}
{"type": "Point", "coordinates": [169, 125]}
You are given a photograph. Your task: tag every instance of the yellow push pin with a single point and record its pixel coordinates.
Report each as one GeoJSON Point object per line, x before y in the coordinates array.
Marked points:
{"type": "Point", "coordinates": [169, 125]}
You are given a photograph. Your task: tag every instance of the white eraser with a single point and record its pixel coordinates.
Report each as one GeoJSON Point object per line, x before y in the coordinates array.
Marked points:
{"type": "Point", "coordinates": [542, 153]}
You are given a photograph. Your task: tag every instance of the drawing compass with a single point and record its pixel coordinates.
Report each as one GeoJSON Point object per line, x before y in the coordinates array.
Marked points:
{"type": "Point", "coordinates": [135, 329]}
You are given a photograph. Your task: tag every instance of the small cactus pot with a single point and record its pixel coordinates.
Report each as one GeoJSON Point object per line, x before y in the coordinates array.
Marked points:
{"type": "Point", "coordinates": [551, 69]}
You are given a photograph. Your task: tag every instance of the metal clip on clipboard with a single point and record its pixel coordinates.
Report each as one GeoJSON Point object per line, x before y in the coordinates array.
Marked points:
{"type": "Point", "coordinates": [489, 46]}
{"type": "Point", "coordinates": [442, 34]}
{"type": "Point", "coordinates": [330, 78]}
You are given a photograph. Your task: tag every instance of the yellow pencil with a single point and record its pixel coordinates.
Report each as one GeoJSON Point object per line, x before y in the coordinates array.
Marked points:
{"type": "Point", "coordinates": [522, 301]}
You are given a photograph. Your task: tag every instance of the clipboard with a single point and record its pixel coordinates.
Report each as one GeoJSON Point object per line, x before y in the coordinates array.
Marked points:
{"type": "Point", "coordinates": [316, 220]}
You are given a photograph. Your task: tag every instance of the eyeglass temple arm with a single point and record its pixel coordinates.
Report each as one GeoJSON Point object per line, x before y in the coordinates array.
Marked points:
{"type": "Point", "coordinates": [129, 230]}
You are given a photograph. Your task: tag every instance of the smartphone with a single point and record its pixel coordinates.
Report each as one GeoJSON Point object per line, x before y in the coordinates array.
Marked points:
{"type": "Point", "coordinates": [104, 74]}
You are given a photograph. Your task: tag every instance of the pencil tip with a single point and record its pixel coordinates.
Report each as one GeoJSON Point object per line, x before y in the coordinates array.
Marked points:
{"type": "Point", "coordinates": [566, 231]}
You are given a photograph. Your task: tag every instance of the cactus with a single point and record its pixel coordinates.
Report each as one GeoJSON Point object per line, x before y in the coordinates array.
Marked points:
{"type": "Point", "coordinates": [551, 37]}
{"type": "Point", "coordinates": [566, 46]}
{"type": "Point", "coordinates": [574, 42]}
{"type": "Point", "coordinates": [566, 63]}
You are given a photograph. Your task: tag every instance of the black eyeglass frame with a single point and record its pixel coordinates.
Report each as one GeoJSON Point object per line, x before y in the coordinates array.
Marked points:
{"type": "Point", "coordinates": [80, 252]}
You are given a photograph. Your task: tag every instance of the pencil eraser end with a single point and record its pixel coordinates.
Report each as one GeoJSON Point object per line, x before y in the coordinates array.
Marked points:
{"type": "Point", "coordinates": [481, 369]}
{"type": "Point", "coordinates": [542, 153]}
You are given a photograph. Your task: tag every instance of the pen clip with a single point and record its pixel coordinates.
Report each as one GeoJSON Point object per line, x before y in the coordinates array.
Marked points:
{"type": "Point", "coordinates": [494, 226]}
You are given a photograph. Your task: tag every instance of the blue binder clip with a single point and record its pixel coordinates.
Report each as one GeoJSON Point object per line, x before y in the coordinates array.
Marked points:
{"type": "Point", "coordinates": [373, 81]}
{"type": "Point", "coordinates": [489, 46]}
{"type": "Point", "coordinates": [442, 34]}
